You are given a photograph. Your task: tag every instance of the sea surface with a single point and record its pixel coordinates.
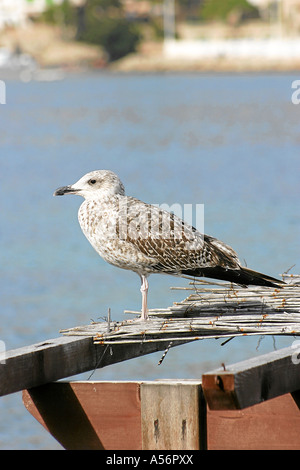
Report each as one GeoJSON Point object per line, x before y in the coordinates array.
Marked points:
{"type": "Point", "coordinates": [230, 142]}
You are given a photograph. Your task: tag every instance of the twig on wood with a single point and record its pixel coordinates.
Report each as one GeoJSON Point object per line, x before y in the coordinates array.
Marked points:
{"type": "Point", "coordinates": [165, 353]}
{"type": "Point", "coordinates": [108, 320]}
{"type": "Point", "coordinates": [223, 311]}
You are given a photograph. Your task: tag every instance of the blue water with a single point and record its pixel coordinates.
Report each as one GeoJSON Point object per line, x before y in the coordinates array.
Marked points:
{"type": "Point", "coordinates": [231, 143]}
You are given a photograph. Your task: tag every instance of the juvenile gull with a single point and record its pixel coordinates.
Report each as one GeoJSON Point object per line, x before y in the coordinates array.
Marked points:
{"type": "Point", "coordinates": [133, 235]}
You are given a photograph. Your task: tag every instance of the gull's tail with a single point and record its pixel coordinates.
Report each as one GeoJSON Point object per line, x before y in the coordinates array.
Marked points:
{"type": "Point", "coordinates": [242, 276]}
{"type": "Point", "coordinates": [251, 277]}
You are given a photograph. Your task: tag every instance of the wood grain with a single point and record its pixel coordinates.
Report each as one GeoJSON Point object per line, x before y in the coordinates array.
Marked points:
{"type": "Point", "coordinates": [89, 415]}
{"type": "Point", "coordinates": [170, 413]}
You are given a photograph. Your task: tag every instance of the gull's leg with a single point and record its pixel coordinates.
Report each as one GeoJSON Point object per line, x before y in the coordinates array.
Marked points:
{"type": "Point", "coordinates": [144, 291]}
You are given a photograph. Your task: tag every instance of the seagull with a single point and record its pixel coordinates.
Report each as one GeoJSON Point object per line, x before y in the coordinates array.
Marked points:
{"type": "Point", "coordinates": [145, 239]}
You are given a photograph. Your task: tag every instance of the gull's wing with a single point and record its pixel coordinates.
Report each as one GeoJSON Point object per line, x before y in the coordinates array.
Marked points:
{"type": "Point", "coordinates": [171, 245]}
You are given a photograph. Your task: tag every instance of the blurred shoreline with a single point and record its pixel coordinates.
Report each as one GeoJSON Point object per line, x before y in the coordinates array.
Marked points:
{"type": "Point", "coordinates": [53, 47]}
{"type": "Point", "coordinates": [152, 58]}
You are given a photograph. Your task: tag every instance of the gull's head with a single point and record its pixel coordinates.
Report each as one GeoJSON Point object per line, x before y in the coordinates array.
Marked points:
{"type": "Point", "coordinates": [97, 183]}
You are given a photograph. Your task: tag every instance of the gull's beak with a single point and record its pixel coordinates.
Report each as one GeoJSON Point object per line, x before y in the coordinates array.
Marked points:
{"type": "Point", "coordinates": [65, 190]}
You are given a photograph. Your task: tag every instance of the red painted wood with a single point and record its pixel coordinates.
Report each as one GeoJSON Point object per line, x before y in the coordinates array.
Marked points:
{"type": "Point", "coordinates": [107, 415]}
{"type": "Point", "coordinates": [89, 415]}
{"type": "Point", "coordinates": [274, 424]}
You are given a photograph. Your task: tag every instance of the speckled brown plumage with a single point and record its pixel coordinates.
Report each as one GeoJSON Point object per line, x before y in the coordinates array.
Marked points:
{"type": "Point", "coordinates": [143, 238]}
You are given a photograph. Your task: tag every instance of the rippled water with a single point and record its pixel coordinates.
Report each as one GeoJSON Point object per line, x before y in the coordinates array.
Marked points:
{"type": "Point", "coordinates": [229, 142]}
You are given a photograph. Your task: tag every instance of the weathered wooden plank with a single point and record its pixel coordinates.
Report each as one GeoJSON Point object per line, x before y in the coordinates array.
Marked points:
{"type": "Point", "coordinates": [272, 425]}
{"type": "Point", "coordinates": [63, 357]}
{"type": "Point", "coordinates": [89, 415]}
{"type": "Point", "coordinates": [253, 381]}
{"type": "Point", "coordinates": [171, 415]}
{"type": "Point", "coordinates": [165, 415]}
{"type": "Point", "coordinates": [44, 362]}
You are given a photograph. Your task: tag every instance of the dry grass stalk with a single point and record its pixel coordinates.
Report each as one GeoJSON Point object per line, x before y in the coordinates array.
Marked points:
{"type": "Point", "coordinates": [223, 311]}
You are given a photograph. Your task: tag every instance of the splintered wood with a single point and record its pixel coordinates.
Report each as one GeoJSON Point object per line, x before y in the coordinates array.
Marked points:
{"type": "Point", "coordinates": [212, 310]}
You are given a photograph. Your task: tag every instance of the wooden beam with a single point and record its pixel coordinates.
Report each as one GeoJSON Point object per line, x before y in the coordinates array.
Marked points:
{"type": "Point", "coordinates": [89, 415]}
{"type": "Point", "coordinates": [271, 425]}
{"type": "Point", "coordinates": [63, 357]}
{"type": "Point", "coordinates": [253, 381]}
{"type": "Point", "coordinates": [173, 415]}
{"type": "Point", "coordinates": [165, 415]}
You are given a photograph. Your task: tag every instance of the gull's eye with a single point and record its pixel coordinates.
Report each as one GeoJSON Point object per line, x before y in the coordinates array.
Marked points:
{"type": "Point", "coordinates": [92, 182]}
